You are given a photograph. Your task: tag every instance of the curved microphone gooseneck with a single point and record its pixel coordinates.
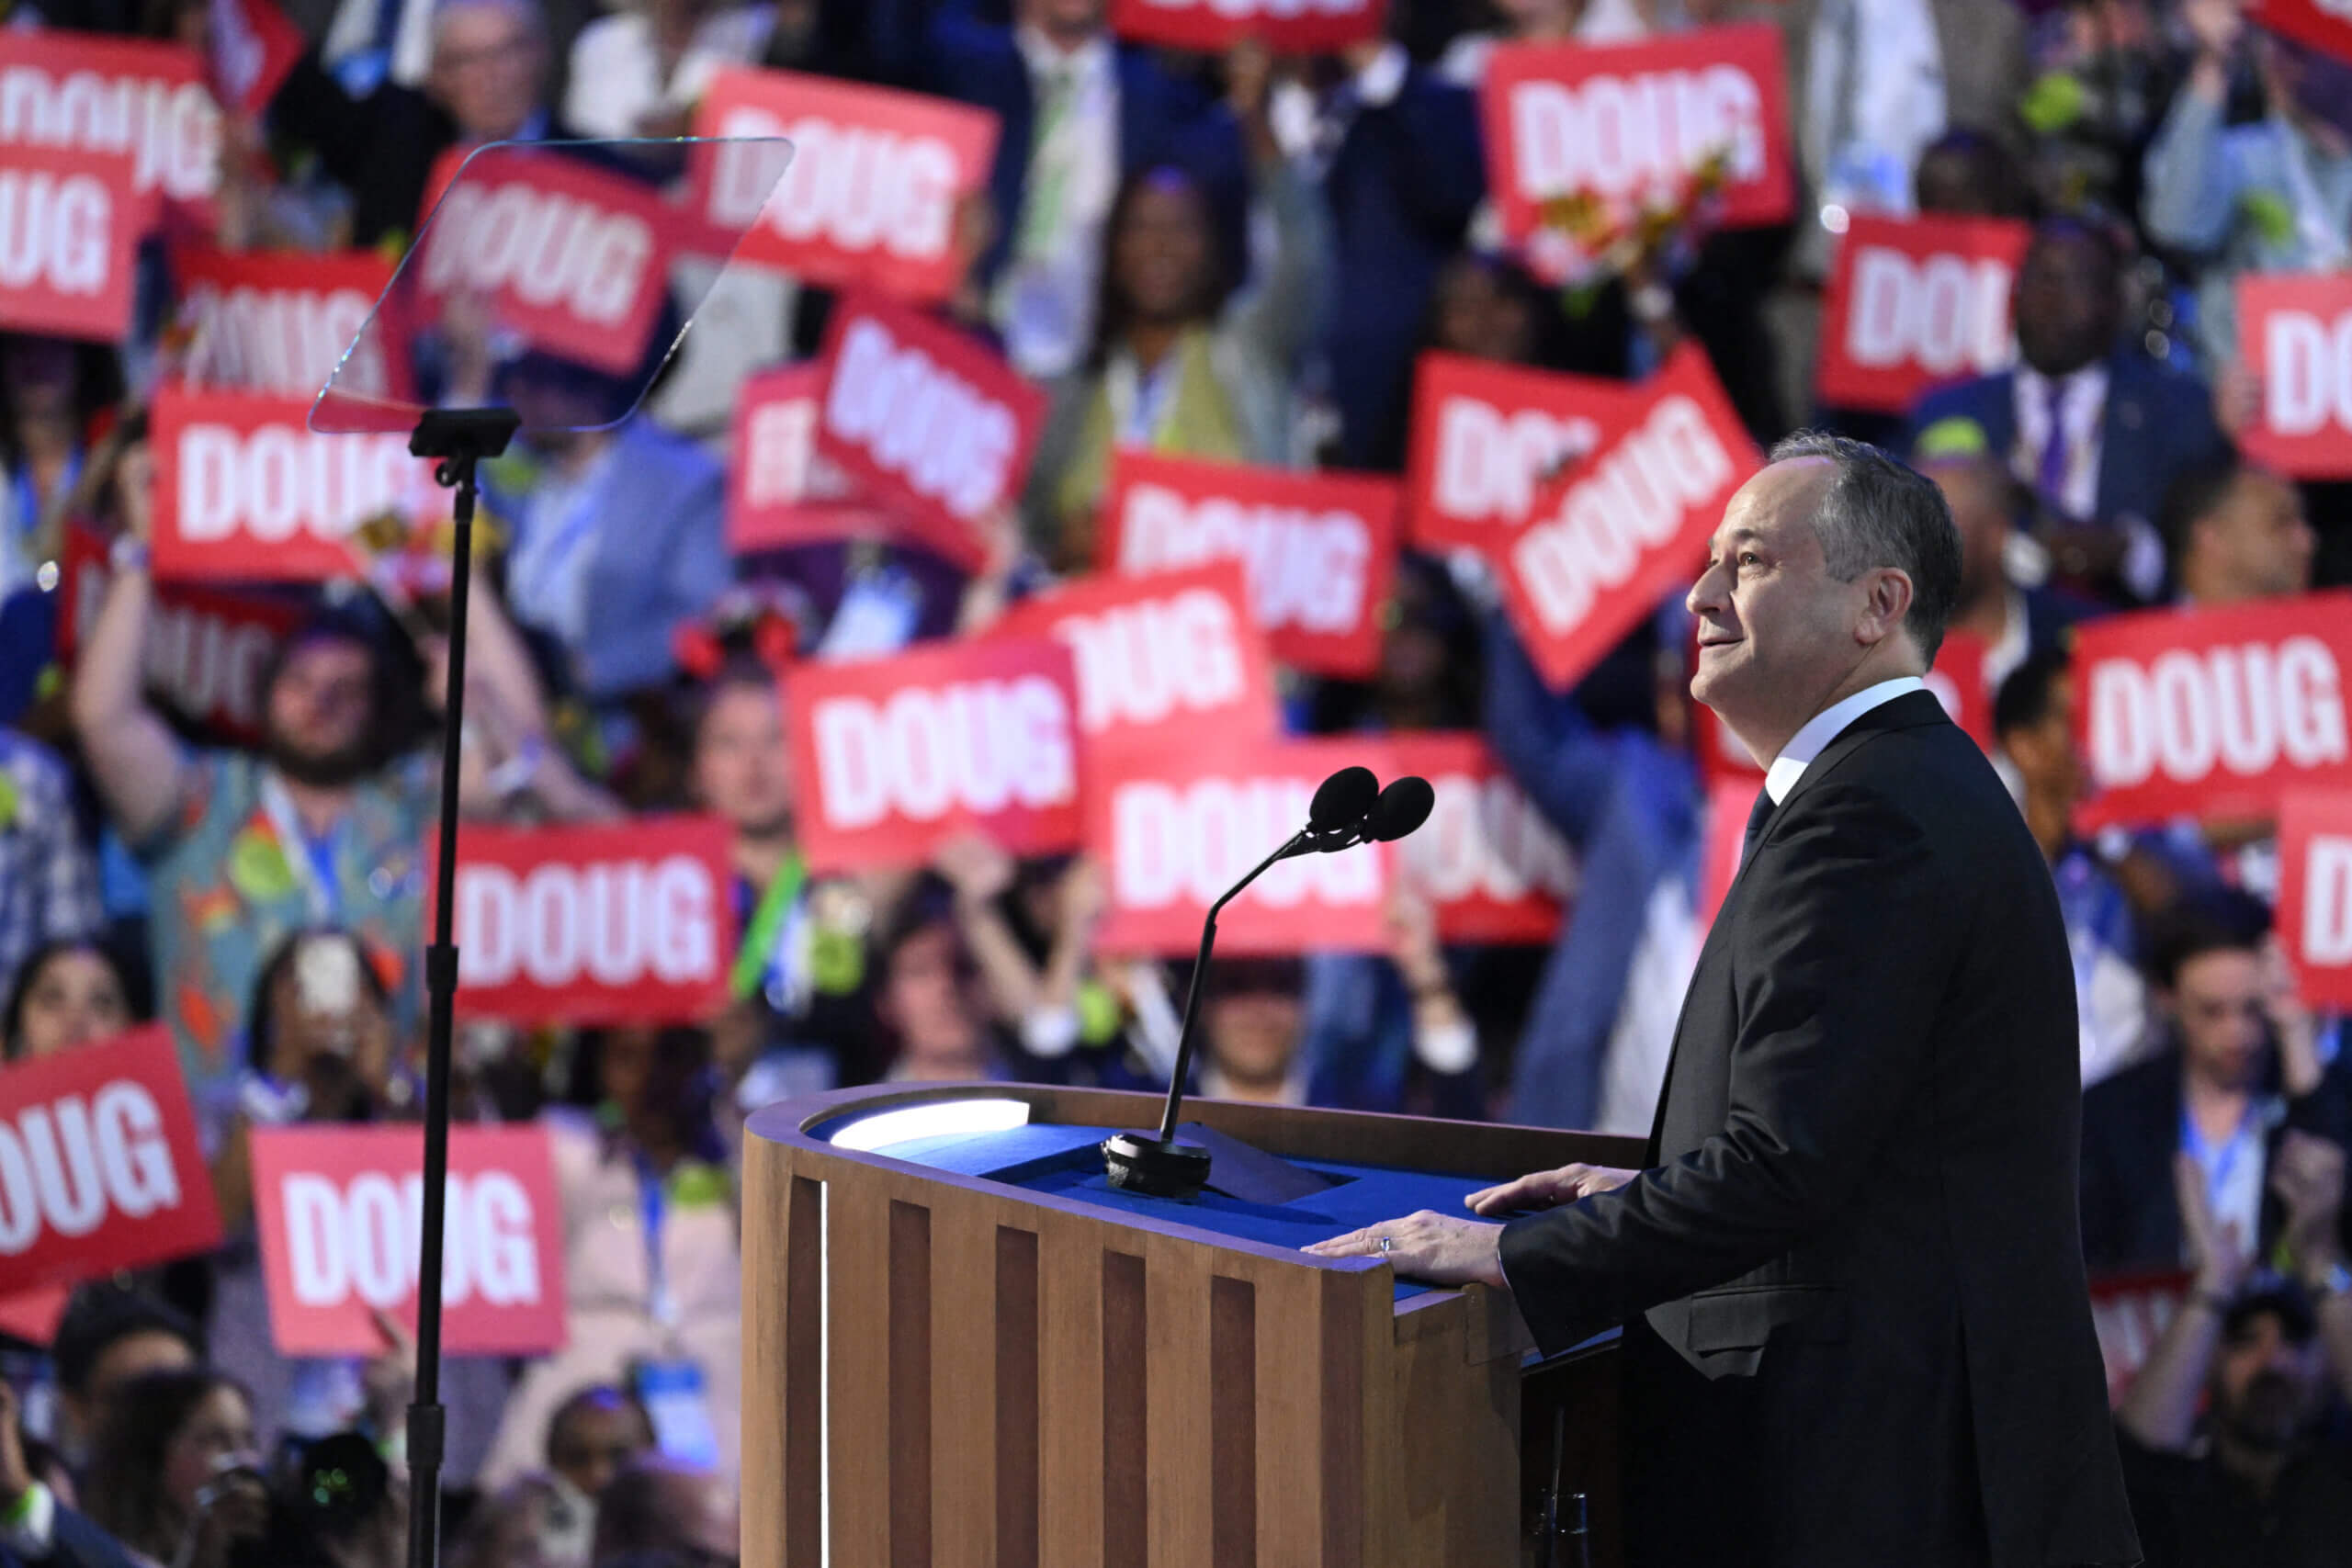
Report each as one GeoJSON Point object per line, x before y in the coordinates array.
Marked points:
{"type": "Point", "coordinates": [1349, 808]}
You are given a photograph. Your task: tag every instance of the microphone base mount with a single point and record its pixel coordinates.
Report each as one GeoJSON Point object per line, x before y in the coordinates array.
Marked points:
{"type": "Point", "coordinates": [1154, 1167]}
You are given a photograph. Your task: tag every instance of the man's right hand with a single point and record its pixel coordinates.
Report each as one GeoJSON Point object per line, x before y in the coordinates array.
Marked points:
{"type": "Point", "coordinates": [1548, 1189]}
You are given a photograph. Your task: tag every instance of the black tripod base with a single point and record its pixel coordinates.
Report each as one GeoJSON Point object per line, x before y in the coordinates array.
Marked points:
{"type": "Point", "coordinates": [1157, 1168]}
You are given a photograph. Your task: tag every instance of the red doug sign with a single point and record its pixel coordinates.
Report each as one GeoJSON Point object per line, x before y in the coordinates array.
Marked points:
{"type": "Point", "coordinates": [572, 255]}
{"type": "Point", "coordinates": [1915, 301]}
{"type": "Point", "coordinates": [2212, 713]}
{"type": "Point", "coordinates": [1618, 121]}
{"type": "Point", "coordinates": [925, 417]}
{"type": "Point", "coordinates": [623, 924]}
{"type": "Point", "coordinates": [99, 1165]}
{"type": "Point", "coordinates": [254, 47]}
{"type": "Point", "coordinates": [2296, 335]}
{"type": "Point", "coordinates": [94, 94]}
{"type": "Point", "coordinates": [779, 492]}
{"type": "Point", "coordinates": [1167, 656]}
{"type": "Point", "coordinates": [1318, 549]}
{"type": "Point", "coordinates": [1616, 533]}
{"type": "Point", "coordinates": [1174, 831]}
{"type": "Point", "coordinates": [277, 320]}
{"type": "Point", "coordinates": [1287, 26]}
{"type": "Point", "coordinates": [69, 236]}
{"type": "Point", "coordinates": [1493, 868]}
{"type": "Point", "coordinates": [2315, 894]}
{"type": "Point", "coordinates": [869, 199]}
{"type": "Point", "coordinates": [244, 490]}
{"type": "Point", "coordinates": [205, 647]}
{"type": "Point", "coordinates": [2324, 24]}
{"type": "Point", "coordinates": [1486, 436]}
{"type": "Point", "coordinates": [898, 754]}
{"type": "Point", "coordinates": [340, 1211]}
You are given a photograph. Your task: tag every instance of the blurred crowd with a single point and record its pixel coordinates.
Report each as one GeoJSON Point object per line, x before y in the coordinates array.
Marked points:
{"type": "Point", "coordinates": [1236, 258]}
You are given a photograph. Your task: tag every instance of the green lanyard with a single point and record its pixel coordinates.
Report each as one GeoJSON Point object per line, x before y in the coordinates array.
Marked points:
{"type": "Point", "coordinates": [758, 940]}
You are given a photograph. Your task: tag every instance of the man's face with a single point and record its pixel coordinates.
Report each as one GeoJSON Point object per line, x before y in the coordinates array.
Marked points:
{"type": "Point", "coordinates": [2256, 544]}
{"type": "Point", "coordinates": [320, 708]}
{"type": "Point", "coordinates": [2217, 1005]}
{"type": "Point", "coordinates": [1776, 632]}
{"type": "Point", "coordinates": [487, 63]}
{"type": "Point", "coordinates": [595, 1441]}
{"type": "Point", "coordinates": [741, 770]}
{"type": "Point", "coordinates": [2067, 303]}
{"type": "Point", "coordinates": [2044, 751]}
{"type": "Point", "coordinates": [2266, 1386]}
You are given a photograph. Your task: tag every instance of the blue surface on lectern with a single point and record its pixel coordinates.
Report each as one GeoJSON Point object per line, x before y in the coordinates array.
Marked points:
{"type": "Point", "coordinates": [1067, 1162]}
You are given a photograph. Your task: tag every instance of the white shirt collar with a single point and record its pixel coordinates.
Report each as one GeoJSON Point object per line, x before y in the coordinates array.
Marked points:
{"type": "Point", "coordinates": [1827, 726]}
{"type": "Point", "coordinates": [1043, 57]}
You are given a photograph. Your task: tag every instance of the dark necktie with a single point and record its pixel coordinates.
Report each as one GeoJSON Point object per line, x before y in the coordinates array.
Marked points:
{"type": "Point", "coordinates": [1758, 816]}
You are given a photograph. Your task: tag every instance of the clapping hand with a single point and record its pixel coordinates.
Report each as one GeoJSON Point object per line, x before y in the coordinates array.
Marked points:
{"type": "Point", "coordinates": [2217, 1250]}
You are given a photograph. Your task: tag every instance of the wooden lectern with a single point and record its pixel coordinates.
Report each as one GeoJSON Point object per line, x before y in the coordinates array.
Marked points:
{"type": "Point", "coordinates": [964, 1351]}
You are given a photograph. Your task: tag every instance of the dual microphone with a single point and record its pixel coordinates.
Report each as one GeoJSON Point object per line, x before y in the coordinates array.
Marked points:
{"type": "Point", "coordinates": [1350, 809]}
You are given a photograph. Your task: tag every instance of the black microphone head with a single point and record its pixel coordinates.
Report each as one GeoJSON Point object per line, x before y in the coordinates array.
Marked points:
{"type": "Point", "coordinates": [1341, 800]}
{"type": "Point", "coordinates": [1402, 807]}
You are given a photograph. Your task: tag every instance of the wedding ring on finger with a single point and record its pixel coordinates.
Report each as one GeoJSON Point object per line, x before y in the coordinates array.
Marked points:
{"type": "Point", "coordinates": [1387, 1243]}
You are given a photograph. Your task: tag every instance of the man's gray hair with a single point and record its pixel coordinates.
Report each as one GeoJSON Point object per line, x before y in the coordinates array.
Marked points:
{"type": "Point", "coordinates": [1878, 512]}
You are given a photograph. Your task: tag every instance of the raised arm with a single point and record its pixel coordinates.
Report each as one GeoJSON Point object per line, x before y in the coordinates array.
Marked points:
{"type": "Point", "coordinates": [139, 768]}
{"type": "Point", "coordinates": [2191, 183]}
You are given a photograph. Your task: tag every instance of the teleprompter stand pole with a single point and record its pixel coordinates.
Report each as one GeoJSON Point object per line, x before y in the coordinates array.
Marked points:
{"type": "Point", "coordinates": [459, 438]}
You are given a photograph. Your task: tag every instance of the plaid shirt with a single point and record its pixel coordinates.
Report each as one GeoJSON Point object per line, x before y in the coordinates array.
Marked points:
{"type": "Point", "coordinates": [48, 880]}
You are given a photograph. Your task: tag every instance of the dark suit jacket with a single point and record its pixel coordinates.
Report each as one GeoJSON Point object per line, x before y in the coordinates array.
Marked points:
{"type": "Point", "coordinates": [2130, 1132]}
{"type": "Point", "coordinates": [1406, 178]}
{"type": "Point", "coordinates": [380, 148]}
{"type": "Point", "coordinates": [1860, 1332]}
{"type": "Point", "coordinates": [2158, 423]}
{"type": "Point", "coordinates": [957, 55]}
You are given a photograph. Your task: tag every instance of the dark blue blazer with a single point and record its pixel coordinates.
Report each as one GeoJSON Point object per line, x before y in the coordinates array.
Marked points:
{"type": "Point", "coordinates": [1401, 190]}
{"type": "Point", "coordinates": [948, 50]}
{"type": "Point", "coordinates": [2159, 421]}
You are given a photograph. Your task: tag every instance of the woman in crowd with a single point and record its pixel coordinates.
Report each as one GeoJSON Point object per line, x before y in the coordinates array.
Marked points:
{"type": "Point", "coordinates": [175, 1473]}
{"type": "Point", "coordinates": [1183, 364]}
{"type": "Point", "coordinates": [929, 1004]}
{"type": "Point", "coordinates": [651, 1270]}
{"type": "Point", "coordinates": [69, 993]}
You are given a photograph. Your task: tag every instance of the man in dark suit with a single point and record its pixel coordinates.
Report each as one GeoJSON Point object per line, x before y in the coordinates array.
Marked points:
{"type": "Point", "coordinates": [1857, 1330]}
{"type": "Point", "coordinates": [2093, 427]}
{"type": "Point", "coordinates": [488, 83]}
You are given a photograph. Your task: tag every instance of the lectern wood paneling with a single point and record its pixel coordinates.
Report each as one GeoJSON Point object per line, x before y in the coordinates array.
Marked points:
{"type": "Point", "coordinates": [970, 1351]}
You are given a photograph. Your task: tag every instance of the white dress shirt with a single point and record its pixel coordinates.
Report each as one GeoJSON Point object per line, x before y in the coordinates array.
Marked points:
{"type": "Point", "coordinates": [1827, 726]}
{"type": "Point", "coordinates": [616, 76]}
{"type": "Point", "coordinates": [2078, 402]}
{"type": "Point", "coordinates": [1044, 298]}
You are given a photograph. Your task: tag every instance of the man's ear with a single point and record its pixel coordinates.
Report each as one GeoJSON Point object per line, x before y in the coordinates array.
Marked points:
{"type": "Point", "coordinates": [1889, 599]}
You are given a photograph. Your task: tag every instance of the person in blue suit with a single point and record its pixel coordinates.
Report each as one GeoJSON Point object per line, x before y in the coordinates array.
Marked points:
{"type": "Point", "coordinates": [1396, 149]}
{"type": "Point", "coordinates": [2094, 428]}
{"type": "Point", "coordinates": [1079, 111]}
